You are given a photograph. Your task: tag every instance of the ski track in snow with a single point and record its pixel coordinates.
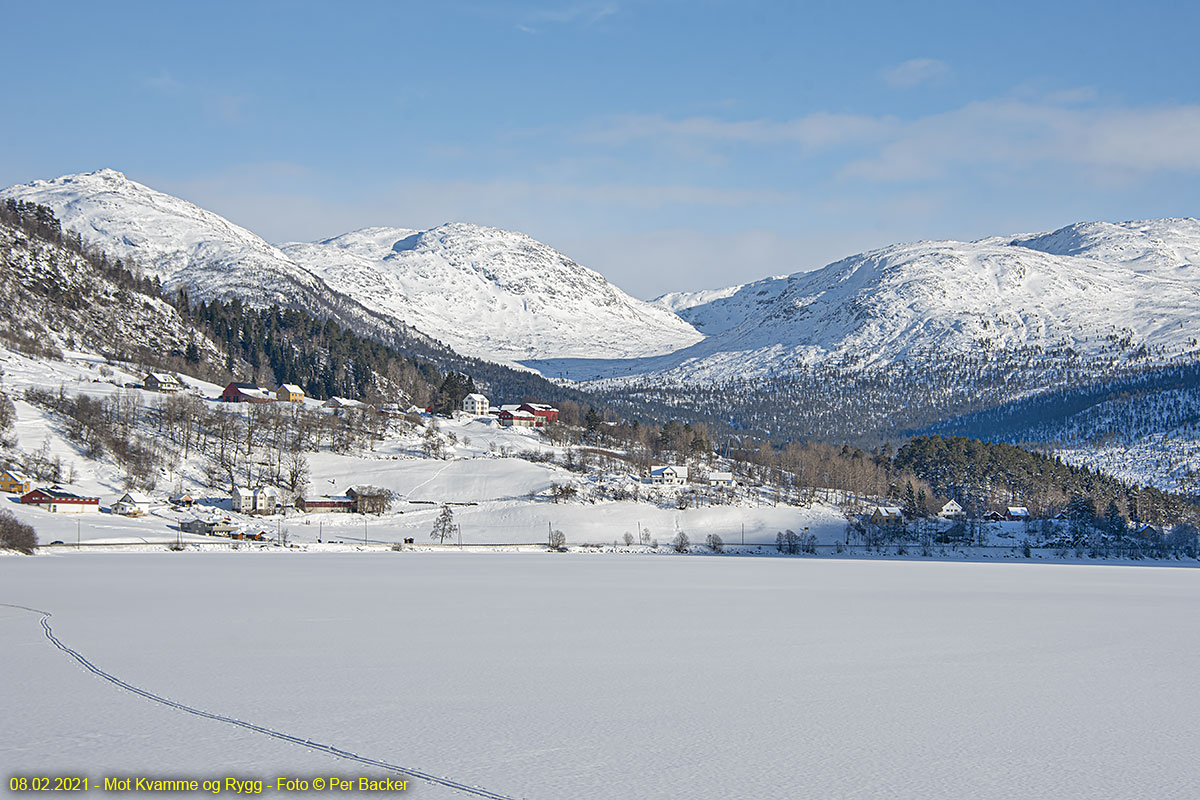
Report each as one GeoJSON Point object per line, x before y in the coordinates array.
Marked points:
{"type": "Point", "coordinates": [324, 748]}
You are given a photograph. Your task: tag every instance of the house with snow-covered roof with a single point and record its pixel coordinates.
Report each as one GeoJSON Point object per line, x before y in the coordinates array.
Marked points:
{"type": "Point", "coordinates": [720, 479]}
{"type": "Point", "coordinates": [951, 510]}
{"type": "Point", "coordinates": [1016, 513]}
{"type": "Point", "coordinates": [246, 393]}
{"type": "Point", "coordinates": [132, 504]}
{"type": "Point", "coordinates": [289, 393]}
{"type": "Point", "coordinates": [14, 482]}
{"type": "Point", "coordinates": [60, 500]}
{"type": "Point", "coordinates": [542, 411]}
{"type": "Point", "coordinates": [887, 515]}
{"type": "Point", "coordinates": [669, 474]}
{"type": "Point", "coordinates": [475, 404]}
{"type": "Point", "coordinates": [512, 416]}
{"type": "Point", "coordinates": [163, 382]}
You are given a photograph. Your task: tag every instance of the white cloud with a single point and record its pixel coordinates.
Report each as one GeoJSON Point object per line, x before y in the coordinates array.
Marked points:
{"type": "Point", "coordinates": [1017, 134]}
{"type": "Point", "coordinates": [814, 131]}
{"type": "Point", "coordinates": [914, 72]}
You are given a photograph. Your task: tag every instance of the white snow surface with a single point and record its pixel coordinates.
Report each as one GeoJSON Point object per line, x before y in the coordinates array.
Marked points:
{"type": "Point", "coordinates": [492, 293]}
{"type": "Point", "coordinates": [547, 676]}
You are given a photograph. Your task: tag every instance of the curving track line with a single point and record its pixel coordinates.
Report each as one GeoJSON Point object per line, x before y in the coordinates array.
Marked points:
{"type": "Point", "coordinates": [477, 791]}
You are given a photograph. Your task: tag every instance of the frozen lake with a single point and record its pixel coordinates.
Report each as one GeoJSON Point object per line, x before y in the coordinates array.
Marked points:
{"type": "Point", "coordinates": [549, 677]}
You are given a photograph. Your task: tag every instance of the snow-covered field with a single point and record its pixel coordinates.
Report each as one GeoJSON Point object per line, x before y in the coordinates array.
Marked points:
{"type": "Point", "coordinates": [546, 677]}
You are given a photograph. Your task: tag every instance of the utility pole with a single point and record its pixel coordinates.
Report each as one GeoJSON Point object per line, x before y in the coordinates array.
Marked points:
{"type": "Point", "coordinates": [77, 533]}
{"type": "Point", "coordinates": [743, 533]}
{"type": "Point", "coordinates": [549, 533]}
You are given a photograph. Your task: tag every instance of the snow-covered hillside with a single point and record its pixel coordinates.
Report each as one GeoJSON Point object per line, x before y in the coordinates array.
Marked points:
{"type": "Point", "coordinates": [1092, 287]}
{"type": "Point", "coordinates": [492, 293]}
{"type": "Point", "coordinates": [486, 292]}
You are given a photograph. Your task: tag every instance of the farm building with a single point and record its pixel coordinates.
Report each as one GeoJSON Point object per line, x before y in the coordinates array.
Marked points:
{"type": "Point", "coordinates": [541, 411]}
{"type": "Point", "coordinates": [163, 382]}
{"type": "Point", "coordinates": [245, 393]}
{"type": "Point", "coordinates": [14, 482]}
{"type": "Point", "coordinates": [475, 404]}
{"type": "Point", "coordinates": [327, 503]}
{"type": "Point", "coordinates": [132, 504]}
{"type": "Point", "coordinates": [514, 417]}
{"type": "Point", "coordinates": [185, 499]}
{"type": "Point", "coordinates": [59, 500]}
{"type": "Point", "coordinates": [669, 474]}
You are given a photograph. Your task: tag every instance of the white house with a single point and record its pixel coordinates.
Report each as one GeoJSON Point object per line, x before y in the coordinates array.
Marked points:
{"type": "Point", "coordinates": [669, 474]}
{"type": "Point", "coordinates": [952, 510]}
{"type": "Point", "coordinates": [242, 500]}
{"type": "Point", "coordinates": [476, 405]}
{"type": "Point", "coordinates": [720, 479]}
{"type": "Point", "coordinates": [266, 500]}
{"type": "Point", "coordinates": [132, 504]}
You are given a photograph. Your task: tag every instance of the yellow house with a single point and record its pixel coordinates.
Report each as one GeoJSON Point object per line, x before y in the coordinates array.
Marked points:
{"type": "Point", "coordinates": [289, 393]}
{"type": "Point", "coordinates": [15, 482]}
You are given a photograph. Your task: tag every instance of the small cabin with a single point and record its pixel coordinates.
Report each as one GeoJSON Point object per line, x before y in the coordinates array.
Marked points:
{"type": "Point", "coordinates": [720, 479]}
{"type": "Point", "coordinates": [887, 515]}
{"type": "Point", "coordinates": [1016, 513]}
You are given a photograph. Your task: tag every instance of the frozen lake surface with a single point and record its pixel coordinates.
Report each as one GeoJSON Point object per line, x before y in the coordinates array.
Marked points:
{"type": "Point", "coordinates": [548, 677]}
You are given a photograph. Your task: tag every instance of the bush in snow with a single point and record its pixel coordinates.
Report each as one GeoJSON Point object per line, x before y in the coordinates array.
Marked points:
{"type": "Point", "coordinates": [16, 535]}
{"type": "Point", "coordinates": [681, 542]}
{"type": "Point", "coordinates": [715, 543]}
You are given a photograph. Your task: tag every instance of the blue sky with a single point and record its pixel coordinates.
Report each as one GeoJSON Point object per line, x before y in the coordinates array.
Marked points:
{"type": "Point", "coordinates": [669, 145]}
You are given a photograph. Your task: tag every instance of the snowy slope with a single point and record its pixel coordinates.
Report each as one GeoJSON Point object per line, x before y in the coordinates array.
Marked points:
{"type": "Point", "coordinates": [1090, 287]}
{"type": "Point", "coordinates": [492, 293]}
{"type": "Point", "coordinates": [181, 243]}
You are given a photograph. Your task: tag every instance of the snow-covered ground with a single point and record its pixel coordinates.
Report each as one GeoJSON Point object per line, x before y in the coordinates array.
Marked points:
{"type": "Point", "coordinates": [545, 677]}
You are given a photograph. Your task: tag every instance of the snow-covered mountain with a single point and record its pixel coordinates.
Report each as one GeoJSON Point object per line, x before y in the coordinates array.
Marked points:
{"type": "Point", "coordinates": [1093, 287]}
{"type": "Point", "coordinates": [485, 292]}
{"type": "Point", "coordinates": [492, 293]}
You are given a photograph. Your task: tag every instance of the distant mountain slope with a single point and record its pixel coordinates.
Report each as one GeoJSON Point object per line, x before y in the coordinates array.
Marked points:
{"type": "Point", "coordinates": [492, 293]}
{"type": "Point", "coordinates": [1097, 289]}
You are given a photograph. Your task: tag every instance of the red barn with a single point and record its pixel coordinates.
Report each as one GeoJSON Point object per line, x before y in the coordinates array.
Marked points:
{"type": "Point", "coordinates": [59, 500]}
{"type": "Point", "coordinates": [245, 393]}
{"type": "Point", "coordinates": [543, 412]}
{"type": "Point", "coordinates": [510, 417]}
